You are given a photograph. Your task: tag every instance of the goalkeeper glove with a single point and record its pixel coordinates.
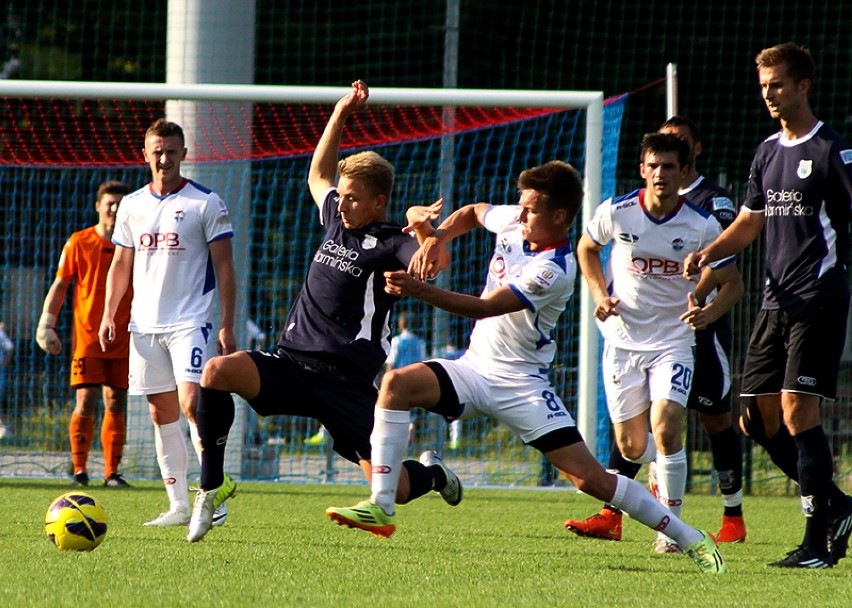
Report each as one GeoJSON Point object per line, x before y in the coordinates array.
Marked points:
{"type": "Point", "coordinates": [46, 335]}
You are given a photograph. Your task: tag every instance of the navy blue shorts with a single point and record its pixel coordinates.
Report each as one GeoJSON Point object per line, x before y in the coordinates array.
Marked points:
{"type": "Point", "coordinates": [711, 381]}
{"type": "Point", "coordinates": [300, 384]}
{"type": "Point", "coordinates": [797, 350]}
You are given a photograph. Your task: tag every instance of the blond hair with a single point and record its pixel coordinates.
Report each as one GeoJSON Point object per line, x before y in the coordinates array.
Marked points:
{"type": "Point", "coordinates": [371, 169]}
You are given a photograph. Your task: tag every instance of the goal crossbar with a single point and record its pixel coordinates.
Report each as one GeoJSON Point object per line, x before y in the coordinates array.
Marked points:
{"type": "Point", "coordinates": [297, 94]}
{"type": "Point", "coordinates": [590, 101]}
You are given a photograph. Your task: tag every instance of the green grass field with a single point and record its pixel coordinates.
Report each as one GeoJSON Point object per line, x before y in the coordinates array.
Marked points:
{"type": "Point", "coordinates": [499, 547]}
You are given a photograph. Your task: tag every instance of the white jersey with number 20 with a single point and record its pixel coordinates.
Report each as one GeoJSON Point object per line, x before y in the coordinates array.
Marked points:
{"type": "Point", "coordinates": [645, 270]}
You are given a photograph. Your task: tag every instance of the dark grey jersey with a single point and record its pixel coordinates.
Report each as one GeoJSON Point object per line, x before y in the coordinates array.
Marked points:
{"type": "Point", "coordinates": [804, 188]}
{"type": "Point", "coordinates": [343, 309]}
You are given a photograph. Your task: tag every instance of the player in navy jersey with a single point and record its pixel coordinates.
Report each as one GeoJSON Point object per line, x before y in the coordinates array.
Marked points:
{"type": "Point", "coordinates": [710, 394]}
{"type": "Point", "coordinates": [799, 191]}
{"type": "Point", "coordinates": [335, 340]}
{"type": "Point", "coordinates": [647, 313]}
{"type": "Point", "coordinates": [504, 372]}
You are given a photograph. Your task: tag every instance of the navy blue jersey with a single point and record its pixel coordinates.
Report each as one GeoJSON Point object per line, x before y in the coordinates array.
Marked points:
{"type": "Point", "coordinates": [712, 198]}
{"type": "Point", "coordinates": [804, 187]}
{"type": "Point", "coordinates": [343, 309]}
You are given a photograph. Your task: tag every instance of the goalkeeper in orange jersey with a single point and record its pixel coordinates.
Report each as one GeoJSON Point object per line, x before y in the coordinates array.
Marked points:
{"type": "Point", "coordinates": [85, 261]}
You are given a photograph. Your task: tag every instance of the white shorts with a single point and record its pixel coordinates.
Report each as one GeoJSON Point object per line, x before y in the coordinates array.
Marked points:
{"type": "Point", "coordinates": [525, 403]}
{"type": "Point", "coordinates": [633, 379]}
{"type": "Point", "coordinates": [159, 361]}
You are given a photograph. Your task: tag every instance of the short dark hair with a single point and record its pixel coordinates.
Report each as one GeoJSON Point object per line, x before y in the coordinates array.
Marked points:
{"type": "Point", "coordinates": [682, 121]}
{"type": "Point", "coordinates": [560, 184]}
{"type": "Point", "coordinates": [164, 128]}
{"type": "Point", "coordinates": [112, 187]}
{"type": "Point", "coordinates": [655, 143]}
{"type": "Point", "coordinates": [800, 64]}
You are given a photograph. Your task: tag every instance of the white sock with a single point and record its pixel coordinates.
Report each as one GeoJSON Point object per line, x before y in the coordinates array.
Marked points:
{"type": "Point", "coordinates": [195, 439]}
{"type": "Point", "coordinates": [172, 458]}
{"type": "Point", "coordinates": [389, 440]}
{"type": "Point", "coordinates": [455, 431]}
{"type": "Point", "coordinates": [671, 481]}
{"type": "Point", "coordinates": [632, 498]}
{"type": "Point", "coordinates": [733, 500]}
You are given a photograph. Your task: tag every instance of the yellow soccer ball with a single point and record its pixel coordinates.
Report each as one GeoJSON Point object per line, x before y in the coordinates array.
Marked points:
{"type": "Point", "coordinates": [75, 521]}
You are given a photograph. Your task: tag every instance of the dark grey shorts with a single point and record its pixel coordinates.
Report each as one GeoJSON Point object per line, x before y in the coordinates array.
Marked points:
{"type": "Point", "coordinates": [797, 351]}
{"type": "Point", "coordinates": [297, 384]}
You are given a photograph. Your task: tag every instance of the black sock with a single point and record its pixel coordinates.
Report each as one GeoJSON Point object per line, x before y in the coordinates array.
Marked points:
{"type": "Point", "coordinates": [617, 463]}
{"type": "Point", "coordinates": [214, 417]}
{"type": "Point", "coordinates": [423, 479]}
{"type": "Point", "coordinates": [728, 462]}
{"type": "Point", "coordinates": [816, 468]}
{"type": "Point", "coordinates": [783, 452]}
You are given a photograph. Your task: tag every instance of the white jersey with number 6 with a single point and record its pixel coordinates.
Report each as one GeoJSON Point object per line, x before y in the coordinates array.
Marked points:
{"type": "Point", "coordinates": [173, 277]}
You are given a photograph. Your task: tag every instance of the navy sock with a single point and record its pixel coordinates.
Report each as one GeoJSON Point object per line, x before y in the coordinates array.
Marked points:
{"type": "Point", "coordinates": [816, 467]}
{"type": "Point", "coordinates": [728, 462]}
{"type": "Point", "coordinates": [783, 452]}
{"type": "Point", "coordinates": [619, 464]}
{"type": "Point", "coordinates": [214, 417]}
{"type": "Point", "coordinates": [423, 479]}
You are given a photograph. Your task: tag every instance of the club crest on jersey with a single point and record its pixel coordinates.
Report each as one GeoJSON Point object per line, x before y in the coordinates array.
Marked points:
{"type": "Point", "coordinates": [805, 169]}
{"type": "Point", "coordinates": [369, 242]}
{"type": "Point", "coordinates": [179, 215]}
{"type": "Point", "coordinates": [677, 244]}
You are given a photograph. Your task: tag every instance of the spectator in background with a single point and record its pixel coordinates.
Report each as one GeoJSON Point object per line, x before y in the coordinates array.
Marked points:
{"type": "Point", "coordinates": [7, 347]}
{"type": "Point", "coordinates": [450, 352]}
{"type": "Point", "coordinates": [406, 348]}
{"type": "Point", "coordinates": [95, 374]}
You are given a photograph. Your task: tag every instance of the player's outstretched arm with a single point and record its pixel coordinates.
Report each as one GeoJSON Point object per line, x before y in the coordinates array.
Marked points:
{"type": "Point", "coordinates": [426, 262]}
{"type": "Point", "coordinates": [323, 170]}
{"type": "Point", "coordinates": [736, 237]}
{"type": "Point", "coordinates": [498, 302]}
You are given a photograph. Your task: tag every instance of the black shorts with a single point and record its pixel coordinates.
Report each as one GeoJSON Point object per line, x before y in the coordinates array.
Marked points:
{"type": "Point", "coordinates": [711, 381]}
{"type": "Point", "coordinates": [797, 350]}
{"type": "Point", "coordinates": [300, 384]}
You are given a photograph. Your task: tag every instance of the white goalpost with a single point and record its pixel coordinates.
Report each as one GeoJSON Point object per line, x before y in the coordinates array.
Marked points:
{"type": "Point", "coordinates": [182, 96]}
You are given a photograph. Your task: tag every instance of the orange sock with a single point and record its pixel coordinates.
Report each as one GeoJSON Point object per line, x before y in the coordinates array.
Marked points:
{"type": "Point", "coordinates": [80, 430]}
{"type": "Point", "coordinates": [113, 432]}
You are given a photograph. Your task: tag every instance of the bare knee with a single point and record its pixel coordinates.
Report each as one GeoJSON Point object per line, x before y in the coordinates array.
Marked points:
{"type": "Point", "coordinates": [394, 391]}
{"type": "Point", "coordinates": [218, 374]}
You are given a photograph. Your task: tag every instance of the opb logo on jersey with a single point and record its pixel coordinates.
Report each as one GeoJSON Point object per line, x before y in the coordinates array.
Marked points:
{"type": "Point", "coordinates": [159, 239]}
{"type": "Point", "coordinates": [656, 266]}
